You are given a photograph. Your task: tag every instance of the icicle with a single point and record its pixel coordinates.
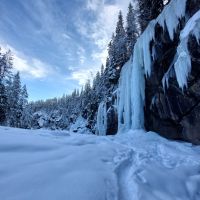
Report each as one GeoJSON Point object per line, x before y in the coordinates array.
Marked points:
{"type": "Point", "coordinates": [171, 15]}
{"type": "Point", "coordinates": [138, 88]}
{"type": "Point", "coordinates": [131, 93]}
{"type": "Point", "coordinates": [182, 65]}
{"type": "Point", "coordinates": [146, 38]}
{"type": "Point", "coordinates": [102, 119]}
{"type": "Point", "coordinates": [124, 98]}
{"type": "Point", "coordinates": [169, 73]}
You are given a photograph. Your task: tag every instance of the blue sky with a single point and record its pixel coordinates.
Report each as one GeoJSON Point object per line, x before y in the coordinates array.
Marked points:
{"type": "Point", "coordinates": [57, 44]}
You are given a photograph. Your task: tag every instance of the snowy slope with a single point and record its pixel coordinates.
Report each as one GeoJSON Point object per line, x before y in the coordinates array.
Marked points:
{"type": "Point", "coordinates": [58, 165]}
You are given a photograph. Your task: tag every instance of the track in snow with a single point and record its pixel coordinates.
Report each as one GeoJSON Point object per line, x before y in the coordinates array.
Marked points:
{"type": "Point", "coordinates": [132, 166]}
{"type": "Point", "coordinates": [124, 172]}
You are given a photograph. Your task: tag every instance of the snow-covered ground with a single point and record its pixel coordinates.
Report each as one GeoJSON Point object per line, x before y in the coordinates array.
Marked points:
{"type": "Point", "coordinates": [38, 165]}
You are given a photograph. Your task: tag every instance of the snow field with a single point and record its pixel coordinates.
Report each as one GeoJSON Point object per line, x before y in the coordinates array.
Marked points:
{"type": "Point", "coordinates": [57, 165]}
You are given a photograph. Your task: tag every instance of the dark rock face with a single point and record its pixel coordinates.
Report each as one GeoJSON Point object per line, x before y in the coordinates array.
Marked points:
{"type": "Point", "coordinates": [112, 115]}
{"type": "Point", "coordinates": [112, 121]}
{"type": "Point", "coordinates": [191, 125]}
{"type": "Point", "coordinates": [173, 113]}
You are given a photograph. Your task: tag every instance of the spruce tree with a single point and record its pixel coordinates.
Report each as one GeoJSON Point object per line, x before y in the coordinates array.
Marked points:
{"type": "Point", "coordinates": [23, 97]}
{"type": "Point", "coordinates": [5, 78]}
{"type": "Point", "coordinates": [3, 103]}
{"type": "Point", "coordinates": [132, 31]}
{"type": "Point", "coordinates": [14, 102]}
{"type": "Point", "coordinates": [102, 69]}
{"type": "Point", "coordinates": [119, 43]}
{"type": "Point", "coordinates": [25, 119]}
{"type": "Point", "coordinates": [5, 64]}
{"type": "Point", "coordinates": [111, 52]}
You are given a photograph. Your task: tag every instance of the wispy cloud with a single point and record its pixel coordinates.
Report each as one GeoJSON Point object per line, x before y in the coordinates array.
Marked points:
{"type": "Point", "coordinates": [94, 4]}
{"type": "Point", "coordinates": [100, 55]}
{"type": "Point", "coordinates": [59, 42]}
{"type": "Point", "coordinates": [27, 66]}
{"type": "Point", "coordinates": [82, 74]}
{"type": "Point", "coordinates": [100, 30]}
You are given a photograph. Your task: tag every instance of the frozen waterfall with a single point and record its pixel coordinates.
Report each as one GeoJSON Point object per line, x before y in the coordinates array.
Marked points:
{"type": "Point", "coordinates": [131, 94]}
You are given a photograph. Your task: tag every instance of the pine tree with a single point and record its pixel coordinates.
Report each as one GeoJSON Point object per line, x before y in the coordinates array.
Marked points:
{"type": "Point", "coordinates": [117, 51]}
{"type": "Point", "coordinates": [111, 53]}
{"type": "Point", "coordinates": [25, 119]}
{"type": "Point", "coordinates": [5, 77]}
{"type": "Point", "coordinates": [3, 103]}
{"type": "Point", "coordinates": [23, 97]}
{"type": "Point", "coordinates": [5, 64]}
{"type": "Point", "coordinates": [132, 31]}
{"type": "Point", "coordinates": [119, 43]}
{"type": "Point", "coordinates": [102, 69]}
{"type": "Point", "coordinates": [14, 102]}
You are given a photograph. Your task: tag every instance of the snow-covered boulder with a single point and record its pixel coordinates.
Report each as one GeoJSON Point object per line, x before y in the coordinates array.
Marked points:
{"type": "Point", "coordinates": [39, 120]}
{"type": "Point", "coordinates": [79, 126]}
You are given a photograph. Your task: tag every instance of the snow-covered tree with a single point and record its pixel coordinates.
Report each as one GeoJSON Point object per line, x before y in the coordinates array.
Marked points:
{"type": "Point", "coordinates": [5, 77]}
{"type": "Point", "coordinates": [3, 103]}
{"type": "Point", "coordinates": [117, 51]}
{"type": "Point", "coordinates": [23, 97]}
{"type": "Point", "coordinates": [5, 64]}
{"type": "Point", "coordinates": [119, 43]}
{"type": "Point", "coordinates": [15, 111]}
{"type": "Point", "coordinates": [102, 69]}
{"type": "Point", "coordinates": [132, 31]}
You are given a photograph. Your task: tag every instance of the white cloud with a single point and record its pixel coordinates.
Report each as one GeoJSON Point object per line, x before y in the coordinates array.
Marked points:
{"type": "Point", "coordinates": [102, 55]}
{"type": "Point", "coordinates": [82, 59]}
{"type": "Point", "coordinates": [81, 75]}
{"type": "Point", "coordinates": [27, 66]}
{"type": "Point", "coordinates": [93, 4]}
{"type": "Point", "coordinates": [66, 36]}
{"type": "Point", "coordinates": [81, 54]}
{"type": "Point", "coordinates": [107, 15]}
{"type": "Point", "coordinates": [101, 30]}
{"type": "Point", "coordinates": [53, 25]}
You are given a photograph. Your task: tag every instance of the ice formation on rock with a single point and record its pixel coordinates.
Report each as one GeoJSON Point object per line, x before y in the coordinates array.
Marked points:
{"type": "Point", "coordinates": [131, 92]}
{"type": "Point", "coordinates": [182, 65]}
{"type": "Point", "coordinates": [102, 119]}
{"type": "Point", "coordinates": [171, 15]}
{"type": "Point", "coordinates": [132, 81]}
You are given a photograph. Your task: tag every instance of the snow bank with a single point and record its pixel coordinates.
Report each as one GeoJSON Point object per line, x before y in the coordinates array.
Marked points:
{"type": "Point", "coordinates": [131, 95]}
{"type": "Point", "coordinates": [56, 165]}
{"type": "Point", "coordinates": [48, 165]}
{"type": "Point", "coordinates": [79, 126]}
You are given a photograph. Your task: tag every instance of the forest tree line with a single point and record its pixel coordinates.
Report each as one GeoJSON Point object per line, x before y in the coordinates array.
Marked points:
{"type": "Point", "coordinates": [59, 113]}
